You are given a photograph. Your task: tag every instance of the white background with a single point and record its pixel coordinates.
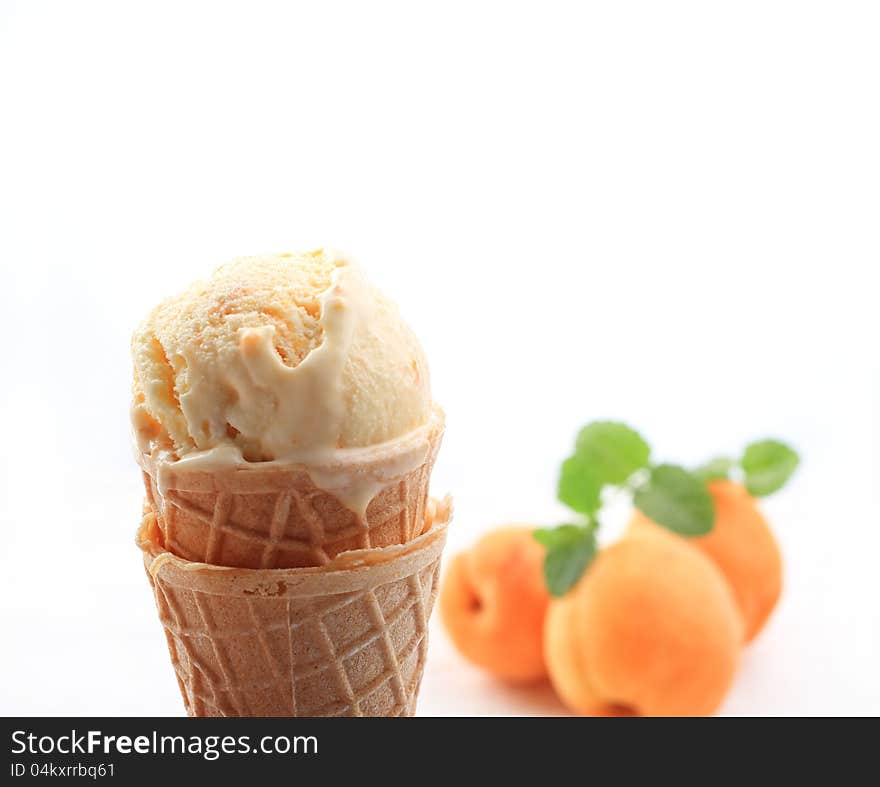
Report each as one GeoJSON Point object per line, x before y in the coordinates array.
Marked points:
{"type": "Point", "coordinates": [662, 212]}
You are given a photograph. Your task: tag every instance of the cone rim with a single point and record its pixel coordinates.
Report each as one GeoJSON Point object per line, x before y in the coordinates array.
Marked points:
{"type": "Point", "coordinates": [372, 458]}
{"type": "Point", "coordinates": [348, 572]}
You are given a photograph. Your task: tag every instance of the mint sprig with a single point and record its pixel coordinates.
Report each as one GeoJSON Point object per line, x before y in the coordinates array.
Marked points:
{"type": "Point", "coordinates": [764, 468]}
{"type": "Point", "coordinates": [767, 465]}
{"type": "Point", "coordinates": [579, 488]}
{"type": "Point", "coordinates": [717, 469]}
{"type": "Point", "coordinates": [612, 451]}
{"type": "Point", "coordinates": [676, 499]}
{"type": "Point", "coordinates": [611, 454]}
{"type": "Point", "coordinates": [570, 549]}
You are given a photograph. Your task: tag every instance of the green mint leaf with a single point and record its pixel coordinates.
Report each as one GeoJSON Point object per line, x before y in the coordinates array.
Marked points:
{"type": "Point", "coordinates": [570, 549]}
{"type": "Point", "coordinates": [560, 535]}
{"type": "Point", "coordinates": [678, 500]}
{"type": "Point", "coordinates": [578, 487]}
{"type": "Point", "coordinates": [767, 465]}
{"type": "Point", "coordinates": [715, 469]}
{"type": "Point", "coordinates": [612, 451]}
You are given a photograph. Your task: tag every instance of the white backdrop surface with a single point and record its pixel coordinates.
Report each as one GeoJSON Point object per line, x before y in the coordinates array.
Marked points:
{"type": "Point", "coordinates": [661, 213]}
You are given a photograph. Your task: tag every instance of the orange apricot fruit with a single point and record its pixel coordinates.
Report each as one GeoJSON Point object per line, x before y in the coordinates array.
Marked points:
{"type": "Point", "coordinates": [651, 629]}
{"type": "Point", "coordinates": [744, 549]}
{"type": "Point", "coordinates": [562, 656]}
{"type": "Point", "coordinates": [493, 601]}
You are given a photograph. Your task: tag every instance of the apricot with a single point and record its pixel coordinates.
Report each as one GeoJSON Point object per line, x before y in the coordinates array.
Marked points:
{"type": "Point", "coordinates": [744, 549]}
{"type": "Point", "coordinates": [493, 600]}
{"type": "Point", "coordinates": [567, 673]}
{"type": "Point", "coordinates": [651, 629]}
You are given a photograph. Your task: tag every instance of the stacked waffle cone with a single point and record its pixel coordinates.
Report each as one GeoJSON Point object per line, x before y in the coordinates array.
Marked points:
{"type": "Point", "coordinates": [278, 599]}
{"type": "Point", "coordinates": [286, 434]}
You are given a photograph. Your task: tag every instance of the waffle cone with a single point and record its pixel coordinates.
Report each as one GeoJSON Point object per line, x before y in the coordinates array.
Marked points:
{"type": "Point", "coordinates": [274, 515]}
{"type": "Point", "coordinates": [346, 639]}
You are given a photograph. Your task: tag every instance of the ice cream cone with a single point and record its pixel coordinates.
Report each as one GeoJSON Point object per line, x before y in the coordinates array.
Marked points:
{"type": "Point", "coordinates": [345, 639]}
{"type": "Point", "coordinates": [277, 515]}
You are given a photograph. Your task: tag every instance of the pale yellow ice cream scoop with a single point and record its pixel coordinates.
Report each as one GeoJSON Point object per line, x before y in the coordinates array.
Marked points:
{"type": "Point", "coordinates": [283, 357]}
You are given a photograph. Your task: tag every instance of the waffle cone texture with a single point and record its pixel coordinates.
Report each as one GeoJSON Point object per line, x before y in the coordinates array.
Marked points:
{"type": "Point", "coordinates": [346, 639]}
{"type": "Point", "coordinates": [275, 516]}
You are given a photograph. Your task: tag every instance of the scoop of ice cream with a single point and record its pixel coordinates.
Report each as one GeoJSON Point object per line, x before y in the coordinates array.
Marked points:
{"type": "Point", "coordinates": [284, 357]}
